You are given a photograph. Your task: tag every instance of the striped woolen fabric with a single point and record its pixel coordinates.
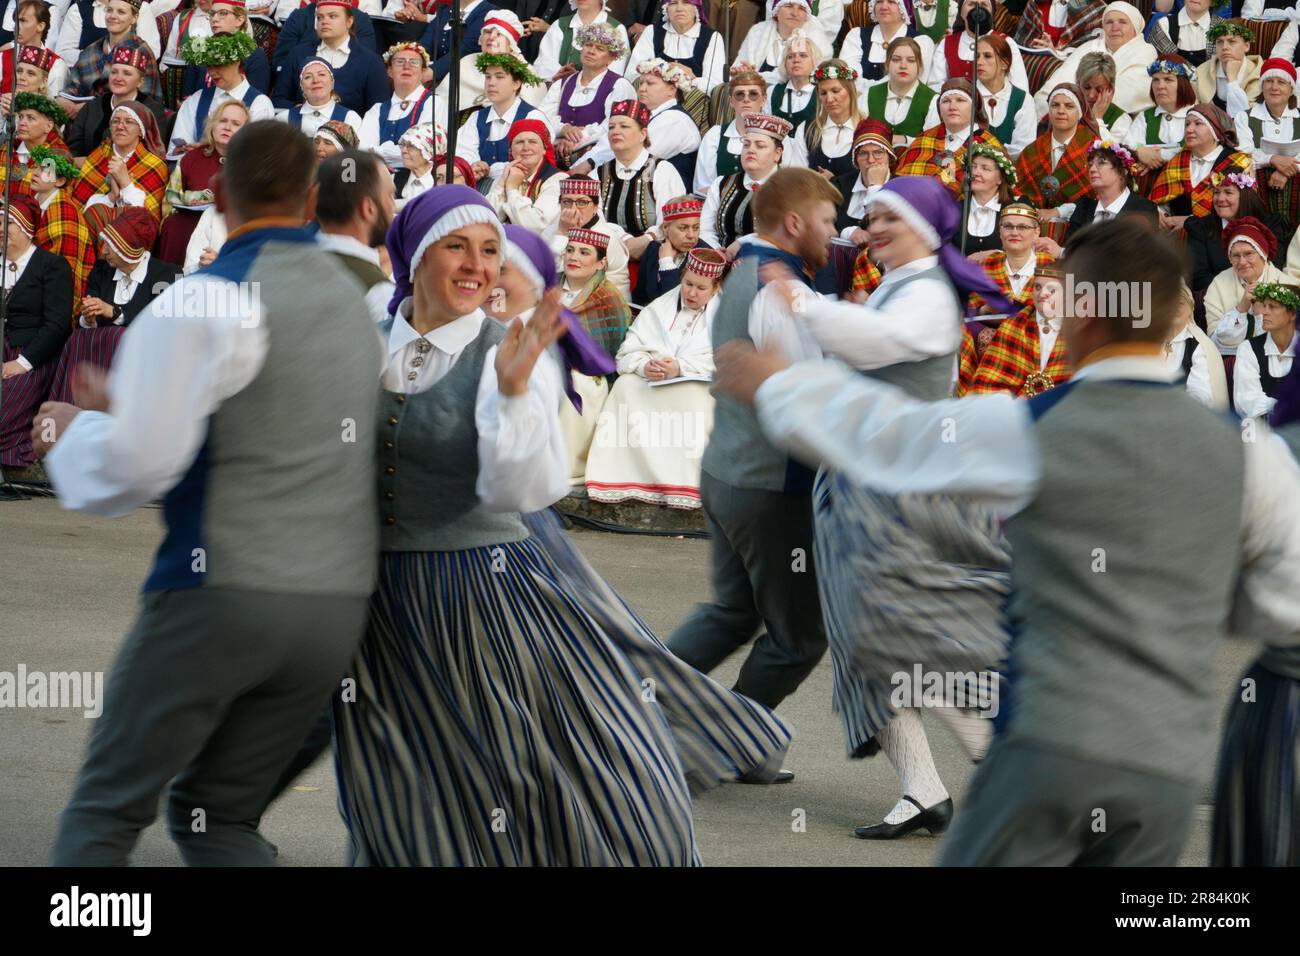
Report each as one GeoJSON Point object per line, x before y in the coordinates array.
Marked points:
{"type": "Point", "coordinates": [1035, 165]}
{"type": "Point", "coordinates": [148, 171]}
{"type": "Point", "coordinates": [906, 580]}
{"type": "Point", "coordinates": [95, 346]}
{"type": "Point", "coordinates": [1014, 354]}
{"type": "Point", "coordinates": [505, 718]}
{"type": "Point", "coordinates": [918, 158]}
{"type": "Point", "coordinates": [23, 395]}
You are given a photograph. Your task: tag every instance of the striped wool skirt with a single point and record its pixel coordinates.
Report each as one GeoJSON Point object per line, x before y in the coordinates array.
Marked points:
{"type": "Point", "coordinates": [1257, 794]}
{"type": "Point", "coordinates": [510, 710]}
{"type": "Point", "coordinates": [95, 346]}
{"type": "Point", "coordinates": [20, 398]}
{"type": "Point", "coordinates": [904, 581]}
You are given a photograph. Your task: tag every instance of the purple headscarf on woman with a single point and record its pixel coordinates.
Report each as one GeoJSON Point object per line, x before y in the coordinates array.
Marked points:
{"type": "Point", "coordinates": [927, 206]}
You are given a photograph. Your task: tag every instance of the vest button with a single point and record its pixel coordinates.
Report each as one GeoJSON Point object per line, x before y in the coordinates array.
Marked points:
{"type": "Point", "coordinates": [388, 444]}
{"type": "Point", "coordinates": [401, 399]}
{"type": "Point", "coordinates": [388, 496]}
{"type": "Point", "coordinates": [390, 470]}
{"type": "Point", "coordinates": [392, 419]}
{"type": "Point", "coordinates": [391, 519]}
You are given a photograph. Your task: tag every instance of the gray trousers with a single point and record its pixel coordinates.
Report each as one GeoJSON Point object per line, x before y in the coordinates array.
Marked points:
{"type": "Point", "coordinates": [214, 691]}
{"type": "Point", "coordinates": [759, 538]}
{"type": "Point", "coordinates": [1031, 806]}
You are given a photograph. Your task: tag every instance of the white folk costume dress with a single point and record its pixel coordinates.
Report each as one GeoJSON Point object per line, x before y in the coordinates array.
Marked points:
{"type": "Point", "coordinates": [649, 438]}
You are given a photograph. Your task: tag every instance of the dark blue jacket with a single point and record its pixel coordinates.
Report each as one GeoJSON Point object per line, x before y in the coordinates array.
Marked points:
{"type": "Point", "coordinates": [360, 83]}
{"type": "Point", "coordinates": [301, 27]}
{"type": "Point", "coordinates": [437, 40]}
{"type": "Point", "coordinates": [257, 70]}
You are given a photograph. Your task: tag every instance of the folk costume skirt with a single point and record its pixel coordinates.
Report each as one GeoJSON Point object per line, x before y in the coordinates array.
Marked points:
{"type": "Point", "coordinates": [510, 710]}
{"type": "Point", "coordinates": [904, 581]}
{"type": "Point", "coordinates": [95, 346]}
{"type": "Point", "coordinates": [22, 396]}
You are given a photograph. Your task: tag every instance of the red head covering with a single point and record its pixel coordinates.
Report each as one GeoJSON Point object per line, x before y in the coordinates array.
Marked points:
{"type": "Point", "coordinates": [1249, 229]}
{"type": "Point", "coordinates": [534, 126]}
{"type": "Point", "coordinates": [131, 234]}
{"type": "Point", "coordinates": [635, 110]}
{"type": "Point", "coordinates": [25, 211]}
{"type": "Point", "coordinates": [134, 54]}
{"type": "Point", "coordinates": [462, 166]}
{"type": "Point", "coordinates": [39, 57]}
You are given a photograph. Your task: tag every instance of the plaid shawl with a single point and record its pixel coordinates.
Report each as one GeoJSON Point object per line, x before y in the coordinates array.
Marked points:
{"type": "Point", "coordinates": [1013, 355]}
{"type": "Point", "coordinates": [866, 274]}
{"type": "Point", "coordinates": [604, 312]}
{"type": "Point", "coordinates": [918, 158]}
{"type": "Point", "coordinates": [1071, 172]}
{"type": "Point", "coordinates": [996, 267]}
{"type": "Point", "coordinates": [63, 232]}
{"type": "Point", "coordinates": [89, 75]}
{"type": "Point", "coordinates": [1078, 26]}
{"type": "Point", "coordinates": [968, 362]}
{"type": "Point", "coordinates": [148, 171]}
{"type": "Point", "coordinates": [1175, 180]}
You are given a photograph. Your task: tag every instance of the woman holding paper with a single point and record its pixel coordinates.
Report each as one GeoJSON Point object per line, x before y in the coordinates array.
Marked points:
{"type": "Point", "coordinates": [1269, 134]}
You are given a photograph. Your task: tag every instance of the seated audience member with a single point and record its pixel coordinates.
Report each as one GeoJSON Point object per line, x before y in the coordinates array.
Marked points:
{"type": "Point", "coordinates": [124, 280]}
{"type": "Point", "coordinates": [1186, 33]}
{"type": "Point", "coordinates": [1192, 358]}
{"type": "Point", "coordinates": [1014, 266]}
{"type": "Point", "coordinates": [527, 193]}
{"type": "Point", "coordinates": [941, 150]}
{"type": "Point", "coordinates": [1027, 355]}
{"type": "Point", "coordinates": [1053, 169]}
{"type": "Point", "coordinates": [38, 119]}
{"type": "Point", "coordinates": [409, 105]}
{"type": "Point", "coordinates": [32, 74]}
{"type": "Point", "coordinates": [873, 155]}
{"type": "Point", "coordinates": [1156, 134]}
{"type": "Point", "coordinates": [1185, 185]}
{"type": "Point", "coordinates": [578, 105]}
{"type": "Point", "coordinates": [1121, 37]}
{"type": "Point", "coordinates": [332, 137]}
{"type": "Point", "coordinates": [902, 99]}
{"type": "Point", "coordinates": [437, 35]}
{"type": "Point", "coordinates": [129, 67]}
{"type": "Point", "coordinates": [126, 170]}
{"type": "Point", "coordinates": [359, 79]}
{"type": "Point", "coordinates": [88, 72]}
{"type": "Point", "coordinates": [420, 146]}
{"type": "Point", "coordinates": [61, 229]}
{"type": "Point", "coordinates": [1230, 77]}
{"type": "Point", "coordinates": [1111, 171]}
{"type": "Point", "coordinates": [316, 80]}
{"type": "Point", "coordinates": [993, 184]}
{"type": "Point", "coordinates": [728, 206]}
{"type": "Point", "coordinates": [763, 48]}
{"type": "Point", "coordinates": [634, 185]}
{"type": "Point", "coordinates": [794, 98]}
{"type": "Point", "coordinates": [1235, 197]}
{"type": "Point", "coordinates": [37, 286]}
{"type": "Point", "coordinates": [461, 173]}
{"type": "Point", "coordinates": [1010, 109]}
{"type": "Point", "coordinates": [825, 144]}
{"type": "Point", "coordinates": [1274, 120]}
{"type": "Point", "coordinates": [719, 153]}
{"type": "Point", "coordinates": [683, 38]}
{"type": "Point", "coordinates": [954, 55]}
{"type": "Point", "coordinates": [500, 36]}
{"type": "Point", "coordinates": [580, 209]}
{"type": "Point", "coordinates": [662, 261]}
{"type": "Point", "coordinates": [670, 339]}
{"type": "Point", "coordinates": [354, 215]}
{"type": "Point", "coordinates": [1231, 316]}
{"type": "Point", "coordinates": [865, 48]}
{"type": "Point", "coordinates": [189, 190]}
{"type": "Point", "coordinates": [1263, 360]}
{"type": "Point", "coordinates": [1055, 26]}
{"type": "Point", "coordinates": [32, 30]}
{"type": "Point", "coordinates": [299, 27]}
{"type": "Point", "coordinates": [221, 54]}
{"type": "Point", "coordinates": [229, 17]}
{"type": "Point", "coordinates": [1096, 78]}
{"type": "Point", "coordinates": [560, 50]}
{"type": "Point", "coordinates": [483, 139]}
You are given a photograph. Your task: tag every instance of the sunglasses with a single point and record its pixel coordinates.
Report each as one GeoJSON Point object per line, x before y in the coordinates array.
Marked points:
{"type": "Point", "coordinates": [747, 95]}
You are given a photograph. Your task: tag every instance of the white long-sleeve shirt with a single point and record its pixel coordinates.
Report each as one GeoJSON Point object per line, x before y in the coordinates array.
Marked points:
{"type": "Point", "coordinates": [1025, 130]}
{"type": "Point", "coordinates": [388, 149]}
{"type": "Point", "coordinates": [1247, 392]}
{"type": "Point", "coordinates": [672, 131]}
{"type": "Point", "coordinates": [467, 142]}
{"type": "Point", "coordinates": [1280, 130]}
{"type": "Point", "coordinates": [666, 329]}
{"type": "Point", "coordinates": [146, 28]}
{"type": "Point", "coordinates": [706, 160]}
{"type": "Point", "coordinates": [582, 96]}
{"type": "Point", "coordinates": [314, 117]}
{"type": "Point", "coordinates": [681, 46]}
{"type": "Point", "coordinates": [877, 435]}
{"type": "Point", "coordinates": [666, 181]}
{"type": "Point", "coordinates": [186, 129]}
{"type": "Point", "coordinates": [712, 200]}
{"type": "Point", "coordinates": [837, 140]}
{"type": "Point", "coordinates": [1171, 132]}
{"type": "Point", "coordinates": [210, 233]}
{"type": "Point", "coordinates": [516, 207]}
{"type": "Point", "coordinates": [547, 63]}
{"type": "Point", "coordinates": [851, 48]}
{"type": "Point", "coordinates": [966, 51]}
{"type": "Point", "coordinates": [1229, 327]}
{"type": "Point", "coordinates": [763, 46]}
{"type": "Point", "coordinates": [199, 25]}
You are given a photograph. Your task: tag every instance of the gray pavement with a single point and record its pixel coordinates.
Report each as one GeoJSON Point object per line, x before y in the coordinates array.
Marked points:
{"type": "Point", "coordinates": [68, 586]}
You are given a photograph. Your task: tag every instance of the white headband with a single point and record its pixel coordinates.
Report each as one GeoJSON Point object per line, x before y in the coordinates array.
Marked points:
{"type": "Point", "coordinates": [1070, 93]}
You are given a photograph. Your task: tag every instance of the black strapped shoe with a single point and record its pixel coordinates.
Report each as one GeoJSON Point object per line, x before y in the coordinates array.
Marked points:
{"type": "Point", "coordinates": [935, 819]}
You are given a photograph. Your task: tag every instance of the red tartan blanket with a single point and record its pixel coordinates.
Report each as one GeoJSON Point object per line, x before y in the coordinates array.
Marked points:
{"type": "Point", "coordinates": [148, 171]}
{"type": "Point", "coordinates": [1175, 180]}
{"type": "Point", "coordinates": [918, 158]}
{"type": "Point", "coordinates": [1071, 173]}
{"type": "Point", "coordinates": [1013, 356]}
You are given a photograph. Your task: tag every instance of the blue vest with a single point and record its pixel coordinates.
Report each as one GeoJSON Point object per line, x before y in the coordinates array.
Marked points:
{"type": "Point", "coordinates": [340, 114]}
{"type": "Point", "coordinates": [494, 150]}
{"type": "Point", "coordinates": [390, 130]}
{"type": "Point", "coordinates": [207, 95]}
{"type": "Point", "coordinates": [89, 32]}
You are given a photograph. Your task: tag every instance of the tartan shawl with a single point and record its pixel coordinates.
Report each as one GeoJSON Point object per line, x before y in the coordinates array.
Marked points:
{"type": "Point", "coordinates": [866, 274]}
{"type": "Point", "coordinates": [1072, 171]}
{"type": "Point", "coordinates": [604, 312]}
{"type": "Point", "coordinates": [148, 171]}
{"type": "Point", "coordinates": [63, 232]}
{"type": "Point", "coordinates": [996, 267]}
{"type": "Point", "coordinates": [918, 158]}
{"type": "Point", "coordinates": [968, 362]}
{"type": "Point", "coordinates": [1175, 180]}
{"type": "Point", "coordinates": [1013, 355]}
{"type": "Point", "coordinates": [89, 75]}
{"type": "Point", "coordinates": [1078, 26]}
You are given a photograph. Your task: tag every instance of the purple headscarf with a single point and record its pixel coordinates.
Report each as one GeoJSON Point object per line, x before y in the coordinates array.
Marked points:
{"type": "Point", "coordinates": [424, 220]}
{"type": "Point", "coordinates": [699, 11]}
{"type": "Point", "coordinates": [927, 206]}
{"type": "Point", "coordinates": [533, 257]}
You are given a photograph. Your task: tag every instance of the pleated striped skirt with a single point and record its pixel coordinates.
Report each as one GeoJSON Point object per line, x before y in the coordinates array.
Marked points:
{"type": "Point", "coordinates": [505, 717]}
{"type": "Point", "coordinates": [95, 346]}
{"type": "Point", "coordinates": [904, 581]}
{"type": "Point", "coordinates": [1257, 794]}
{"type": "Point", "coordinates": [20, 398]}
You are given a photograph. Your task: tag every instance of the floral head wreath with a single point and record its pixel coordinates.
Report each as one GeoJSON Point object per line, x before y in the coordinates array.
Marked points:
{"type": "Point", "coordinates": [511, 64]}
{"type": "Point", "coordinates": [220, 49]}
{"type": "Point", "coordinates": [41, 104]}
{"type": "Point", "coordinates": [1118, 150]}
{"type": "Point", "coordinates": [601, 34]}
{"type": "Point", "coordinates": [668, 72]}
{"type": "Point", "coordinates": [1238, 177]}
{"type": "Point", "coordinates": [830, 71]}
{"type": "Point", "coordinates": [1279, 294]}
{"type": "Point", "coordinates": [1000, 159]}
{"type": "Point", "coordinates": [407, 47]}
{"type": "Point", "coordinates": [1170, 66]}
{"type": "Point", "coordinates": [1226, 28]}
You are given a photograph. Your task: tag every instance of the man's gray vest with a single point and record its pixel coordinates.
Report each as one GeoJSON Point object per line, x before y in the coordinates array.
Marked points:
{"type": "Point", "coordinates": [428, 462]}
{"type": "Point", "coordinates": [1125, 565]}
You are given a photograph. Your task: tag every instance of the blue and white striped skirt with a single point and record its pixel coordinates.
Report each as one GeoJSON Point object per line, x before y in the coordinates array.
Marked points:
{"type": "Point", "coordinates": [506, 715]}
{"type": "Point", "coordinates": [904, 580]}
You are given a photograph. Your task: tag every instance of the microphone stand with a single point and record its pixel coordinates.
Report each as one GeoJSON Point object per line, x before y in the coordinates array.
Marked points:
{"type": "Point", "coordinates": [8, 491]}
{"type": "Point", "coordinates": [980, 24]}
{"type": "Point", "coordinates": [453, 86]}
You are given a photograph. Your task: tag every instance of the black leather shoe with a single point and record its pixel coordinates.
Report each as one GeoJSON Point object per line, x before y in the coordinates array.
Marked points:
{"type": "Point", "coordinates": [935, 819]}
{"type": "Point", "coordinates": [782, 776]}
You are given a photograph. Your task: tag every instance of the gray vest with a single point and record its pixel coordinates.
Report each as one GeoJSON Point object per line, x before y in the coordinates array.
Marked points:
{"type": "Point", "coordinates": [929, 379]}
{"type": "Point", "coordinates": [1125, 566]}
{"type": "Point", "coordinates": [290, 498]}
{"type": "Point", "coordinates": [1285, 660]}
{"type": "Point", "coordinates": [738, 453]}
{"type": "Point", "coordinates": [428, 462]}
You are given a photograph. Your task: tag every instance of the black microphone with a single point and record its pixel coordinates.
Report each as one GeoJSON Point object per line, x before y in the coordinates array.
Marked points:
{"type": "Point", "coordinates": [978, 21]}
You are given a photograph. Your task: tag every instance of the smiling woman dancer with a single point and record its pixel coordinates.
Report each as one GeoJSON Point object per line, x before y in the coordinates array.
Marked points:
{"type": "Point", "coordinates": [509, 709]}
